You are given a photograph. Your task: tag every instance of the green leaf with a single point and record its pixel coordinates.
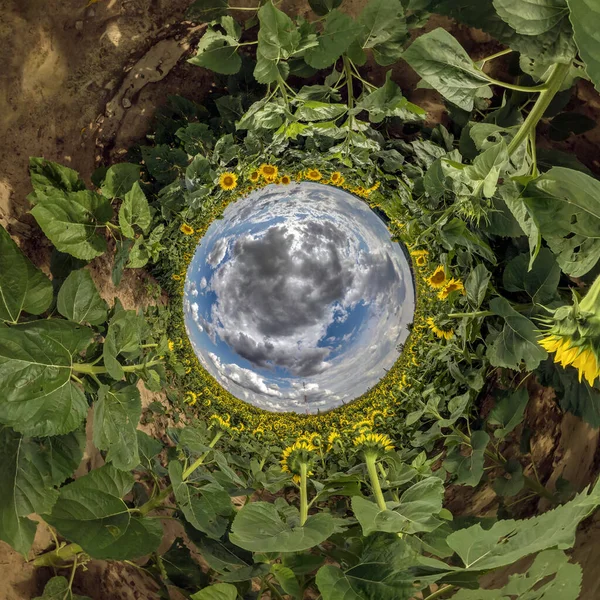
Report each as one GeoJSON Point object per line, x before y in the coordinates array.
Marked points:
{"type": "Point", "coordinates": [537, 17]}
{"type": "Point", "coordinates": [566, 123]}
{"type": "Point", "coordinates": [442, 62]}
{"type": "Point", "coordinates": [383, 29]}
{"type": "Point", "coordinates": [199, 138]}
{"type": "Point", "coordinates": [205, 508]}
{"type": "Point", "coordinates": [91, 513]}
{"type": "Point", "coordinates": [71, 221]}
{"type": "Point", "coordinates": [123, 336]}
{"type": "Point", "coordinates": [134, 211]}
{"type": "Point", "coordinates": [260, 527]}
{"type": "Point", "coordinates": [35, 373]}
{"type": "Point", "coordinates": [58, 588]}
{"type": "Point", "coordinates": [468, 469]}
{"type": "Point", "coordinates": [508, 413]}
{"type": "Point", "coordinates": [47, 175]}
{"type": "Point", "coordinates": [138, 255]}
{"type": "Point", "coordinates": [513, 484]}
{"type": "Point", "coordinates": [116, 415]}
{"type": "Point", "coordinates": [322, 7]}
{"type": "Point", "coordinates": [218, 52]}
{"type": "Point", "coordinates": [313, 110]}
{"type": "Point", "coordinates": [339, 32]}
{"type": "Point", "coordinates": [163, 162]}
{"type": "Point", "coordinates": [79, 300]}
{"type": "Point", "coordinates": [23, 287]}
{"type": "Point", "coordinates": [585, 18]}
{"type": "Point", "coordinates": [29, 470]}
{"type": "Point", "coordinates": [181, 568]}
{"type": "Point", "coordinates": [483, 174]}
{"type": "Point", "coordinates": [517, 342]}
{"type": "Point", "coordinates": [121, 259]}
{"type": "Point", "coordinates": [388, 101]}
{"type": "Point", "coordinates": [565, 205]}
{"type": "Point", "coordinates": [120, 179]}
{"type": "Point", "coordinates": [218, 591]}
{"type": "Point", "coordinates": [555, 45]}
{"type": "Point", "coordinates": [539, 283]}
{"type": "Point", "coordinates": [456, 233]}
{"type": "Point", "coordinates": [476, 285]}
{"type": "Point", "coordinates": [414, 513]}
{"type": "Point", "coordinates": [507, 541]}
{"type": "Point", "coordinates": [287, 580]}
{"type": "Point", "coordinates": [382, 572]}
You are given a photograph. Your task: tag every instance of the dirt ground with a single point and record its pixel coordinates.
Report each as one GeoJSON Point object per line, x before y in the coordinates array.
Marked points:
{"type": "Point", "coordinates": [79, 81]}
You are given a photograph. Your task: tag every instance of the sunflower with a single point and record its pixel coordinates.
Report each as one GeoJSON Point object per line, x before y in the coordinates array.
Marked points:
{"type": "Point", "coordinates": [454, 285]}
{"type": "Point", "coordinates": [337, 178]}
{"type": "Point", "coordinates": [574, 335]}
{"type": "Point", "coordinates": [171, 346]}
{"type": "Point", "coordinates": [373, 442]}
{"type": "Point", "coordinates": [269, 172]}
{"type": "Point", "coordinates": [190, 398]}
{"type": "Point", "coordinates": [254, 176]}
{"type": "Point", "coordinates": [176, 277]}
{"type": "Point", "coordinates": [445, 334]}
{"type": "Point", "coordinates": [228, 181]}
{"type": "Point", "coordinates": [222, 423]}
{"type": "Point", "coordinates": [186, 229]}
{"type": "Point", "coordinates": [300, 452]}
{"type": "Point", "coordinates": [333, 439]}
{"type": "Point", "coordinates": [314, 174]}
{"type": "Point", "coordinates": [285, 180]}
{"type": "Point", "coordinates": [438, 278]}
{"type": "Point", "coordinates": [420, 257]}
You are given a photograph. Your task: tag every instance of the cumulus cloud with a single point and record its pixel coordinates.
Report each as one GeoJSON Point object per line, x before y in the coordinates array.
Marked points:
{"type": "Point", "coordinates": [299, 265]}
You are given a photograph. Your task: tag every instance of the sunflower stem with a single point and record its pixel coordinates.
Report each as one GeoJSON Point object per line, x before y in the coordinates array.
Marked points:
{"type": "Point", "coordinates": [200, 460]}
{"type": "Point", "coordinates": [371, 462]}
{"type": "Point", "coordinates": [303, 493]}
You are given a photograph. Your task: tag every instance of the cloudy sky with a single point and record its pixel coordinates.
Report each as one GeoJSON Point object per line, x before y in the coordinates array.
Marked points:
{"type": "Point", "coordinates": [297, 299]}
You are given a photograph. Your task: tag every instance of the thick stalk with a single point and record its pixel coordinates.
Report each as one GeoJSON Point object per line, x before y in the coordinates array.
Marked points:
{"type": "Point", "coordinates": [348, 73]}
{"type": "Point", "coordinates": [559, 72]}
{"type": "Point", "coordinates": [90, 369]}
{"type": "Point", "coordinates": [303, 493]}
{"type": "Point", "coordinates": [57, 558]}
{"type": "Point", "coordinates": [156, 501]}
{"type": "Point", "coordinates": [371, 460]}
{"type": "Point", "coordinates": [440, 592]}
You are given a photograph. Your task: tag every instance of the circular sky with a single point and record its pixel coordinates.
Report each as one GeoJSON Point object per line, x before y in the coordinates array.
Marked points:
{"type": "Point", "coordinates": [297, 299]}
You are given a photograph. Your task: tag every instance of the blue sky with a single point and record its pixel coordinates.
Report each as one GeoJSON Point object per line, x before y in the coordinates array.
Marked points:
{"type": "Point", "coordinates": [297, 299]}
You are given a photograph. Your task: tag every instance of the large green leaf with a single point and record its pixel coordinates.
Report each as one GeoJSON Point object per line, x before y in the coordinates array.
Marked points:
{"type": "Point", "coordinates": [71, 221]}
{"type": "Point", "coordinates": [388, 101]}
{"type": "Point", "coordinates": [287, 580]}
{"type": "Point", "coordinates": [123, 336]}
{"type": "Point", "coordinates": [218, 52]}
{"type": "Point", "coordinates": [339, 32]}
{"type": "Point", "coordinates": [23, 287]}
{"type": "Point", "coordinates": [565, 205]}
{"type": "Point", "coordinates": [468, 467]}
{"type": "Point", "coordinates": [261, 527]}
{"type": "Point", "coordinates": [206, 508]}
{"type": "Point", "coordinates": [476, 285]}
{"type": "Point", "coordinates": [206, 10]}
{"type": "Point", "coordinates": [134, 211]}
{"type": "Point", "coordinates": [116, 416]}
{"type": "Point", "coordinates": [539, 283]}
{"type": "Point", "coordinates": [414, 513]}
{"type": "Point", "coordinates": [565, 582]}
{"type": "Point", "coordinates": [442, 62]}
{"type": "Point", "coordinates": [322, 7]}
{"type": "Point", "coordinates": [29, 470]}
{"type": "Point", "coordinates": [533, 17]}
{"type": "Point", "coordinates": [382, 573]}
{"type": "Point", "coordinates": [47, 175]}
{"type": "Point", "coordinates": [119, 179]}
{"type": "Point", "coordinates": [218, 591]}
{"type": "Point", "coordinates": [508, 412]}
{"type": "Point", "coordinates": [36, 359]}
{"type": "Point", "coordinates": [58, 588]}
{"type": "Point", "coordinates": [79, 300]}
{"type": "Point", "coordinates": [517, 342]}
{"type": "Point", "coordinates": [91, 513]}
{"type": "Point", "coordinates": [181, 568]}
{"type": "Point", "coordinates": [585, 18]}
{"type": "Point", "coordinates": [507, 541]}
{"type": "Point", "coordinates": [555, 45]}
{"type": "Point", "coordinates": [456, 233]}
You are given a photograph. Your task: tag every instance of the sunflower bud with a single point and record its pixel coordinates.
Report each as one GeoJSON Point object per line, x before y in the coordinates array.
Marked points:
{"type": "Point", "coordinates": [574, 334]}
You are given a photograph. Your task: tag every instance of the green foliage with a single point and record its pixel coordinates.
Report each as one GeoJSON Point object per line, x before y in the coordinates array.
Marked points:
{"type": "Point", "coordinates": [585, 18]}
{"type": "Point", "coordinates": [58, 588]}
{"type": "Point", "coordinates": [78, 299]}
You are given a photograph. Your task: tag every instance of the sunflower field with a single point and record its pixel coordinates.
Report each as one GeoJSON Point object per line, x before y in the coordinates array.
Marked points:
{"type": "Point", "coordinates": [354, 503]}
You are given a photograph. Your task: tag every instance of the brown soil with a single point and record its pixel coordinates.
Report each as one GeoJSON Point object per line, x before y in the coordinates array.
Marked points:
{"type": "Point", "coordinates": [78, 85]}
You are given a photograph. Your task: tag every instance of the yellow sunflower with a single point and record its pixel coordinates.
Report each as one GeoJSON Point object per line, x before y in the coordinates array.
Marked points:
{"type": "Point", "coordinates": [254, 176]}
{"type": "Point", "coordinates": [445, 334]}
{"type": "Point", "coordinates": [285, 180]}
{"type": "Point", "coordinates": [454, 285]}
{"type": "Point", "coordinates": [228, 181]}
{"type": "Point", "coordinates": [186, 229]}
{"type": "Point", "coordinates": [373, 441]}
{"type": "Point", "coordinates": [337, 178]}
{"type": "Point", "coordinates": [438, 278]}
{"type": "Point", "coordinates": [420, 257]}
{"type": "Point", "coordinates": [269, 172]}
{"type": "Point", "coordinates": [314, 174]}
